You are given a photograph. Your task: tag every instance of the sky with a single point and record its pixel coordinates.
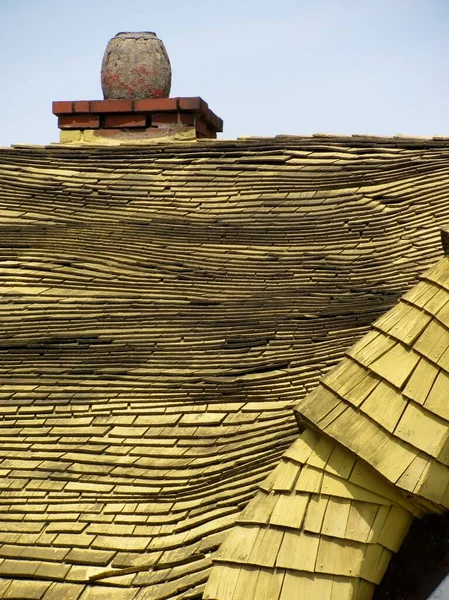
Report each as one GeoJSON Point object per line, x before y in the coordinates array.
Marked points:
{"type": "Point", "coordinates": [265, 67]}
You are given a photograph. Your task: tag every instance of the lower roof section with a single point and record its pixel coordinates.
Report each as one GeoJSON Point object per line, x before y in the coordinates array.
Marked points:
{"type": "Point", "coordinates": [323, 525]}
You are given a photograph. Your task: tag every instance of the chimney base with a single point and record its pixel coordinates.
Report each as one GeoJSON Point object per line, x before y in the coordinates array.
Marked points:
{"type": "Point", "coordinates": [133, 121]}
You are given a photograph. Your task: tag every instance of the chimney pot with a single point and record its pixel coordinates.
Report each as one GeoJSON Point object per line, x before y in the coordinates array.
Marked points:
{"type": "Point", "coordinates": [135, 65]}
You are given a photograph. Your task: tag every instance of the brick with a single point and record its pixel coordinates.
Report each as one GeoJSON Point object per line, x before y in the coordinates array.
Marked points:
{"type": "Point", "coordinates": [187, 118]}
{"type": "Point", "coordinates": [164, 118]}
{"type": "Point", "coordinates": [90, 135]}
{"type": "Point", "coordinates": [125, 120]}
{"type": "Point", "coordinates": [194, 104]}
{"type": "Point", "coordinates": [209, 134]}
{"type": "Point", "coordinates": [111, 106]}
{"type": "Point", "coordinates": [81, 106]}
{"type": "Point", "coordinates": [156, 105]}
{"type": "Point", "coordinates": [87, 121]}
{"type": "Point", "coordinates": [204, 130]}
{"type": "Point", "coordinates": [62, 108]}
{"type": "Point", "coordinates": [213, 121]}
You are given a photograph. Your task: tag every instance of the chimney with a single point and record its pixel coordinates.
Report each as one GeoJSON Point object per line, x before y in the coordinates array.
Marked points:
{"type": "Point", "coordinates": [136, 81]}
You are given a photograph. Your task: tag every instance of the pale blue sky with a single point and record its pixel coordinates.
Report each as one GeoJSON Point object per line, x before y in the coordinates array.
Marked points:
{"type": "Point", "coordinates": [265, 67]}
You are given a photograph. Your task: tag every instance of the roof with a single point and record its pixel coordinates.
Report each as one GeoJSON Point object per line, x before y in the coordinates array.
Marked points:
{"type": "Point", "coordinates": [387, 400]}
{"type": "Point", "coordinates": [163, 309]}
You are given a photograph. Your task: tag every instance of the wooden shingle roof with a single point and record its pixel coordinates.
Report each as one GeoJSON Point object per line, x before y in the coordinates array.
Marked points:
{"type": "Point", "coordinates": [162, 310]}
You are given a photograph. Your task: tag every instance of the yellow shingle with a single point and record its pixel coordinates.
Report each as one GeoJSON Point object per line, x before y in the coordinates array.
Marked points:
{"type": "Point", "coordinates": [421, 381]}
{"type": "Point", "coordinates": [336, 517]}
{"type": "Point", "coordinates": [422, 429]}
{"type": "Point", "coordinates": [315, 513]}
{"type": "Point", "coordinates": [360, 521]}
{"type": "Point", "coordinates": [298, 551]}
{"type": "Point", "coordinates": [290, 510]}
{"type": "Point", "coordinates": [385, 406]}
{"type": "Point", "coordinates": [395, 365]}
{"type": "Point", "coordinates": [340, 557]}
{"type": "Point", "coordinates": [432, 343]}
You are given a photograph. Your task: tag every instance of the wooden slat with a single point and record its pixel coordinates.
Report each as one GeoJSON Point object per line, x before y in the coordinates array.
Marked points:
{"type": "Point", "coordinates": [339, 557]}
{"type": "Point", "coordinates": [385, 406]}
{"type": "Point", "coordinates": [298, 551]}
{"type": "Point", "coordinates": [421, 381]}
{"type": "Point", "coordinates": [395, 365]}
{"type": "Point", "coordinates": [422, 429]}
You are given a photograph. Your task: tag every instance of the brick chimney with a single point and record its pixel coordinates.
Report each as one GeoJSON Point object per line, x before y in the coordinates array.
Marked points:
{"type": "Point", "coordinates": [136, 78]}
